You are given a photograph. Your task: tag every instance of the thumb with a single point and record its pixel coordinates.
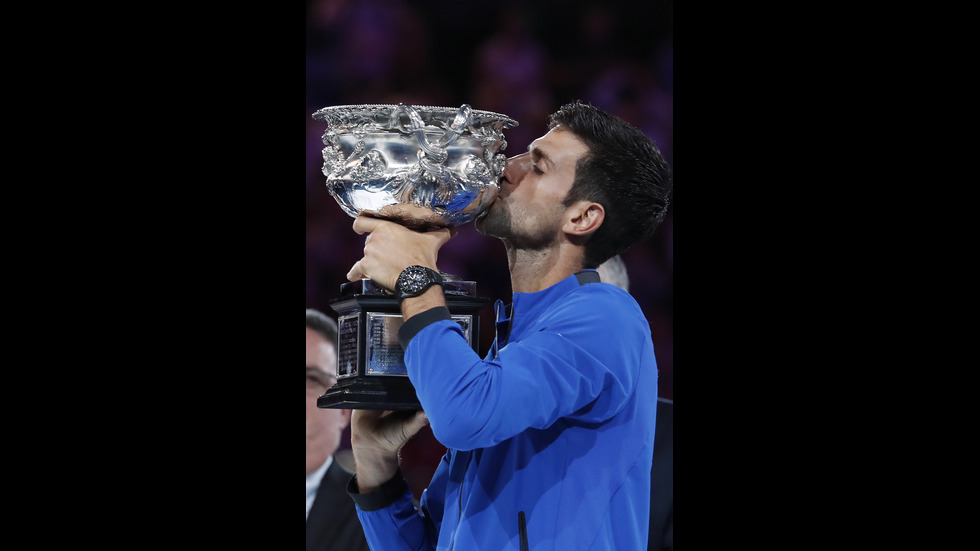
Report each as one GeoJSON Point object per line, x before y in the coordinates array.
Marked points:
{"type": "Point", "coordinates": [416, 423]}
{"type": "Point", "coordinates": [445, 234]}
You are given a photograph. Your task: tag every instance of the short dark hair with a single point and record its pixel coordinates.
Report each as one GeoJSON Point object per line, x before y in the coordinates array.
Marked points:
{"type": "Point", "coordinates": [322, 324]}
{"type": "Point", "coordinates": [624, 171]}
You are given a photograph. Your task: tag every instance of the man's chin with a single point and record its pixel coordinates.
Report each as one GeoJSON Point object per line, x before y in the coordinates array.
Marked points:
{"type": "Point", "coordinates": [479, 221]}
{"type": "Point", "coordinates": [494, 222]}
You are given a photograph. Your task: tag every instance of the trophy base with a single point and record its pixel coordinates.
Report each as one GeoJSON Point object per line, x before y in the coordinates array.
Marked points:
{"type": "Point", "coordinates": [386, 393]}
{"type": "Point", "coordinates": [370, 362]}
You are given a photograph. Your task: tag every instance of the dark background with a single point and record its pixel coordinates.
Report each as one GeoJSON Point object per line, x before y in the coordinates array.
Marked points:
{"type": "Point", "coordinates": [522, 59]}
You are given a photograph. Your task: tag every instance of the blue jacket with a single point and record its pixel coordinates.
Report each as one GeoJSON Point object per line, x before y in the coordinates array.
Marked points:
{"type": "Point", "coordinates": [550, 437]}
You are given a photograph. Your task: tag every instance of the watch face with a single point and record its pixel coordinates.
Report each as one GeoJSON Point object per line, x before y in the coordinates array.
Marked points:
{"type": "Point", "coordinates": [413, 280]}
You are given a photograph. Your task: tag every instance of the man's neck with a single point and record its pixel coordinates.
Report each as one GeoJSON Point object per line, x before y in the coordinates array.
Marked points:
{"type": "Point", "coordinates": [532, 271]}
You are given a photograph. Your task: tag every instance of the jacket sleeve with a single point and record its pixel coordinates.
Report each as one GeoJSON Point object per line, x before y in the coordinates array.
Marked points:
{"type": "Point", "coordinates": [580, 359]}
{"type": "Point", "coordinates": [389, 518]}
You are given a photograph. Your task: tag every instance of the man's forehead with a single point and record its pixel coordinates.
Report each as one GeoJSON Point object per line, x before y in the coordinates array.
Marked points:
{"type": "Point", "coordinates": [557, 144]}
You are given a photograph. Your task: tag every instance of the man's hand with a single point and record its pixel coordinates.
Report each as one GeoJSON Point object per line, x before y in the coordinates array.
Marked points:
{"type": "Point", "coordinates": [391, 247]}
{"type": "Point", "coordinates": [376, 438]}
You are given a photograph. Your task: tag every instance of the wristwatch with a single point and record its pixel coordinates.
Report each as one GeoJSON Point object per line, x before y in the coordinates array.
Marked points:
{"type": "Point", "coordinates": [414, 280]}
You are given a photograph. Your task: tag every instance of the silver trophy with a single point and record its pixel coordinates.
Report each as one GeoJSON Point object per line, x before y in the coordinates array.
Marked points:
{"type": "Point", "coordinates": [423, 167]}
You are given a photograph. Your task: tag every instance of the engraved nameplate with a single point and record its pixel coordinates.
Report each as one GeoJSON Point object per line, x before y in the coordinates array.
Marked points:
{"type": "Point", "coordinates": [383, 355]}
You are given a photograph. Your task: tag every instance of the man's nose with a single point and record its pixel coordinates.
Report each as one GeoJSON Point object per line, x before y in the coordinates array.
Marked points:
{"type": "Point", "coordinates": [517, 167]}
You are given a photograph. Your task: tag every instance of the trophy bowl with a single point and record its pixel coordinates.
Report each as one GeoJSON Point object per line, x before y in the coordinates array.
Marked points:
{"type": "Point", "coordinates": [424, 167]}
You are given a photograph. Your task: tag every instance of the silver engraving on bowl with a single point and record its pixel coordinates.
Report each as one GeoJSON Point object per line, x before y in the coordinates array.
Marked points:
{"type": "Point", "coordinates": [425, 167]}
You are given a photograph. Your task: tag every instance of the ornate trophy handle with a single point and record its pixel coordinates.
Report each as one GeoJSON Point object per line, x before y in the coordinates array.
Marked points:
{"type": "Point", "coordinates": [432, 156]}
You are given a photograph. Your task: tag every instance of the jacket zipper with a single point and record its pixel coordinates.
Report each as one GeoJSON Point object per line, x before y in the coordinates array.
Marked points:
{"type": "Point", "coordinates": [522, 530]}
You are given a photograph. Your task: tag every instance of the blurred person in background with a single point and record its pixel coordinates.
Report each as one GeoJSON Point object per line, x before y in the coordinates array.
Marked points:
{"type": "Point", "coordinates": [331, 521]}
{"type": "Point", "coordinates": [550, 437]}
{"type": "Point", "coordinates": [662, 473]}
{"type": "Point", "coordinates": [662, 480]}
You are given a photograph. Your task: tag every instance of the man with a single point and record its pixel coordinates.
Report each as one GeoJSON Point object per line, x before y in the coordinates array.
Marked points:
{"type": "Point", "coordinates": [331, 522]}
{"type": "Point", "coordinates": [662, 480]}
{"type": "Point", "coordinates": [549, 437]}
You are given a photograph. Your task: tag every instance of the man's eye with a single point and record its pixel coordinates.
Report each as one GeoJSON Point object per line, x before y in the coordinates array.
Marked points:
{"type": "Point", "coordinates": [536, 169]}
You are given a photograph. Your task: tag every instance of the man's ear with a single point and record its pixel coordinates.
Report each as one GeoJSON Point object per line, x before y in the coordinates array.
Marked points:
{"type": "Point", "coordinates": [584, 218]}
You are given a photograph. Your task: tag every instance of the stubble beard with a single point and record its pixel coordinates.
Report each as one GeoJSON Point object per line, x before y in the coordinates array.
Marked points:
{"type": "Point", "coordinates": [499, 222]}
{"type": "Point", "coordinates": [496, 222]}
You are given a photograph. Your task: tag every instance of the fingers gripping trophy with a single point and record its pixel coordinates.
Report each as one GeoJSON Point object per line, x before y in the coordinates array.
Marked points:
{"type": "Point", "coordinates": [423, 167]}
